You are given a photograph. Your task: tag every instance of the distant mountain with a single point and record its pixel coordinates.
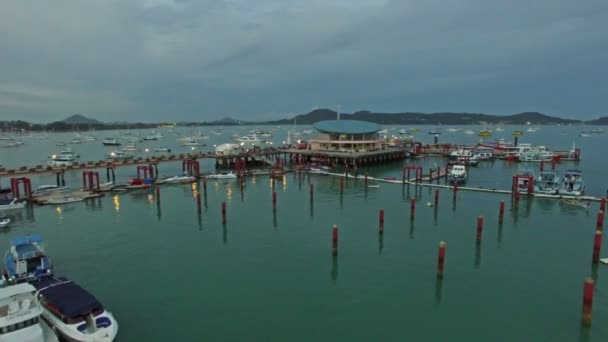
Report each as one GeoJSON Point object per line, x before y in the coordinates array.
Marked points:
{"type": "Point", "coordinates": [78, 119]}
{"type": "Point", "coordinates": [426, 118]}
{"type": "Point", "coordinates": [599, 121]}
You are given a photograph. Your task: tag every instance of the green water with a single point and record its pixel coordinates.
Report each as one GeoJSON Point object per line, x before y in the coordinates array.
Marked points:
{"type": "Point", "coordinates": [172, 275]}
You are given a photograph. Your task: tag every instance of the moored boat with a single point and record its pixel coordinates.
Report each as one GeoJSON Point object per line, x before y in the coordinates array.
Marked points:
{"type": "Point", "coordinates": [11, 204]}
{"type": "Point", "coordinates": [119, 155]}
{"type": "Point", "coordinates": [4, 220]}
{"type": "Point", "coordinates": [222, 175]}
{"type": "Point", "coordinates": [49, 189]}
{"type": "Point", "coordinates": [572, 183]}
{"type": "Point", "coordinates": [180, 179]}
{"type": "Point", "coordinates": [547, 182]}
{"type": "Point", "coordinates": [64, 200]}
{"type": "Point", "coordinates": [20, 318]}
{"type": "Point", "coordinates": [111, 142]}
{"type": "Point", "coordinates": [74, 313]}
{"type": "Point", "coordinates": [26, 261]}
{"type": "Point", "coordinates": [485, 133]}
{"type": "Point", "coordinates": [458, 174]}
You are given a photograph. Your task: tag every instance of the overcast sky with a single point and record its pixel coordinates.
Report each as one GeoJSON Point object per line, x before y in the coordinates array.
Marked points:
{"type": "Point", "coordinates": [170, 60]}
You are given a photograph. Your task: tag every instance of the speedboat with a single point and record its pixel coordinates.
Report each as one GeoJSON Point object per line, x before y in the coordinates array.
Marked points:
{"type": "Point", "coordinates": [20, 319]}
{"type": "Point", "coordinates": [572, 183]}
{"type": "Point", "coordinates": [11, 203]}
{"type": "Point", "coordinates": [111, 142]}
{"type": "Point", "coordinates": [26, 261]}
{"type": "Point", "coordinates": [119, 155]}
{"type": "Point", "coordinates": [64, 200]}
{"type": "Point", "coordinates": [180, 179]}
{"type": "Point", "coordinates": [458, 174]}
{"type": "Point", "coordinates": [547, 182]}
{"type": "Point", "coordinates": [435, 132]}
{"type": "Point", "coordinates": [222, 175]}
{"type": "Point", "coordinates": [74, 313]}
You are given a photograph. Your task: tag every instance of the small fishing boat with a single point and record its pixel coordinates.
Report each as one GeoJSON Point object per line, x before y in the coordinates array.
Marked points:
{"type": "Point", "coordinates": [572, 183]}
{"type": "Point", "coordinates": [74, 313]}
{"type": "Point", "coordinates": [64, 200]}
{"type": "Point", "coordinates": [547, 182]}
{"type": "Point", "coordinates": [180, 179]}
{"type": "Point", "coordinates": [222, 175]}
{"type": "Point", "coordinates": [458, 173]}
{"type": "Point", "coordinates": [110, 142]}
{"type": "Point", "coordinates": [575, 203]}
{"type": "Point", "coordinates": [11, 204]}
{"type": "Point", "coordinates": [517, 133]}
{"type": "Point", "coordinates": [485, 133]}
{"type": "Point", "coordinates": [20, 319]}
{"type": "Point", "coordinates": [26, 261]}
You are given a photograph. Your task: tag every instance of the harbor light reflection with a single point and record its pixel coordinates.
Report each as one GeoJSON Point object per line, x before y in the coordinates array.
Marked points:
{"type": "Point", "coordinates": [116, 201]}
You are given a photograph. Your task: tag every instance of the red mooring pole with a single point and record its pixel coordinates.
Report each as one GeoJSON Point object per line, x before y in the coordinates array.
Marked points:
{"type": "Point", "coordinates": [381, 217]}
{"type": "Point", "coordinates": [597, 246]}
{"type": "Point", "coordinates": [334, 240]}
{"type": "Point", "coordinates": [441, 259]}
{"type": "Point", "coordinates": [587, 300]}
{"type": "Point", "coordinates": [479, 228]}
{"type": "Point", "coordinates": [436, 198]}
{"type": "Point", "coordinates": [412, 208]}
{"type": "Point", "coordinates": [603, 205]}
{"type": "Point", "coordinates": [501, 211]}
{"type": "Point", "coordinates": [600, 220]}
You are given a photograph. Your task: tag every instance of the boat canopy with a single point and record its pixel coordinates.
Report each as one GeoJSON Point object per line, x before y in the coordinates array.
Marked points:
{"type": "Point", "coordinates": [69, 299]}
{"type": "Point", "coordinates": [26, 240]}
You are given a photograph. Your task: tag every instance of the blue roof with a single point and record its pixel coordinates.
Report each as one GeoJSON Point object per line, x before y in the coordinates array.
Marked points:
{"type": "Point", "coordinates": [26, 240]}
{"type": "Point", "coordinates": [68, 298]}
{"type": "Point", "coordinates": [347, 127]}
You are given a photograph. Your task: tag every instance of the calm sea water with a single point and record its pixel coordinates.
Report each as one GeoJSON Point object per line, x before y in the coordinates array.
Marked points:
{"type": "Point", "coordinates": [169, 273]}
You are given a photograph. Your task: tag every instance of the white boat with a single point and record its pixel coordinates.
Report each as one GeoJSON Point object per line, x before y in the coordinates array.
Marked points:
{"type": "Point", "coordinates": [50, 189]}
{"type": "Point", "coordinates": [483, 153]}
{"type": "Point", "coordinates": [531, 130]}
{"type": "Point", "coordinates": [76, 141]}
{"type": "Point", "coordinates": [64, 200]}
{"type": "Point", "coordinates": [11, 204]}
{"type": "Point", "coordinates": [216, 132]}
{"type": "Point", "coordinates": [462, 153]}
{"type": "Point", "coordinates": [572, 183]}
{"type": "Point", "coordinates": [222, 175]}
{"type": "Point", "coordinates": [20, 318]}
{"type": "Point", "coordinates": [89, 138]}
{"type": "Point", "coordinates": [68, 152]}
{"type": "Point", "coordinates": [458, 174]}
{"type": "Point", "coordinates": [111, 142]}
{"type": "Point", "coordinates": [403, 131]}
{"type": "Point", "coordinates": [4, 222]}
{"type": "Point", "coordinates": [452, 129]}
{"type": "Point", "coordinates": [180, 179]}
{"type": "Point", "coordinates": [154, 136]}
{"type": "Point", "coordinates": [547, 182]}
{"type": "Point", "coordinates": [58, 160]}
{"type": "Point", "coordinates": [119, 155]}
{"type": "Point", "coordinates": [584, 135]}
{"type": "Point", "coordinates": [74, 313]}
{"type": "Point", "coordinates": [309, 131]}
{"type": "Point", "coordinates": [192, 142]}
{"type": "Point", "coordinates": [162, 149]}
{"type": "Point", "coordinates": [130, 147]}
{"type": "Point", "coordinates": [248, 139]}
{"type": "Point", "coordinates": [228, 149]}
{"type": "Point", "coordinates": [469, 132]}
{"type": "Point", "coordinates": [499, 129]}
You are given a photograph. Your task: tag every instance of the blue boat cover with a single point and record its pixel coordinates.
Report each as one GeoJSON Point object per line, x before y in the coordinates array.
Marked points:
{"type": "Point", "coordinates": [26, 240]}
{"type": "Point", "coordinates": [67, 297]}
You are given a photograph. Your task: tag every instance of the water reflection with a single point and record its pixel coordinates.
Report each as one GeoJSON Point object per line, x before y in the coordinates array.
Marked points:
{"type": "Point", "coordinates": [274, 218]}
{"type": "Point", "coordinates": [116, 201]}
{"type": "Point", "coordinates": [229, 192]}
{"type": "Point", "coordinates": [59, 212]}
{"type": "Point", "coordinates": [224, 233]}
{"type": "Point", "coordinates": [477, 255]}
{"type": "Point", "coordinates": [438, 291]}
{"type": "Point", "coordinates": [380, 241]}
{"type": "Point", "coordinates": [334, 270]}
{"type": "Point", "coordinates": [284, 182]}
{"type": "Point", "coordinates": [412, 229]}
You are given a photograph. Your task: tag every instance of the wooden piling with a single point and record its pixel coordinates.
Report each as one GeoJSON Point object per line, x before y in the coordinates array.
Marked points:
{"type": "Point", "coordinates": [597, 246]}
{"type": "Point", "coordinates": [441, 259]}
{"type": "Point", "coordinates": [587, 301]}
{"type": "Point", "coordinates": [223, 212]}
{"type": "Point", "coordinates": [334, 240]}
{"type": "Point", "coordinates": [501, 211]}
{"type": "Point", "coordinates": [479, 228]}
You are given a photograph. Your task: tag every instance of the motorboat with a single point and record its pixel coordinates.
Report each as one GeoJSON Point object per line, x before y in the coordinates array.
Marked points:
{"type": "Point", "coordinates": [76, 141]}
{"type": "Point", "coordinates": [458, 173]}
{"type": "Point", "coordinates": [517, 133]}
{"type": "Point", "coordinates": [222, 175]}
{"type": "Point", "coordinates": [403, 131]}
{"type": "Point", "coordinates": [228, 149]}
{"type": "Point", "coordinates": [111, 142]}
{"type": "Point", "coordinates": [162, 149]}
{"type": "Point", "coordinates": [64, 200]}
{"type": "Point", "coordinates": [11, 204]}
{"type": "Point", "coordinates": [469, 132]}
{"type": "Point", "coordinates": [43, 190]}
{"type": "Point", "coordinates": [130, 148]}
{"type": "Point", "coordinates": [248, 139]}
{"type": "Point", "coordinates": [90, 138]}
{"type": "Point", "coordinates": [319, 169]}
{"type": "Point", "coordinates": [547, 182]}
{"type": "Point", "coordinates": [180, 179]}
{"type": "Point", "coordinates": [531, 130]}
{"type": "Point", "coordinates": [193, 142]}
{"type": "Point", "coordinates": [68, 152]}
{"type": "Point", "coordinates": [20, 318]}
{"type": "Point", "coordinates": [59, 160]}
{"type": "Point", "coordinates": [382, 131]}
{"type": "Point", "coordinates": [26, 261]}
{"type": "Point", "coordinates": [74, 313]}
{"type": "Point", "coordinates": [575, 203]}
{"type": "Point", "coordinates": [499, 129]}
{"type": "Point", "coordinates": [119, 155]}
{"type": "Point", "coordinates": [451, 129]}
{"type": "Point", "coordinates": [154, 136]}
{"type": "Point", "coordinates": [482, 153]}
{"type": "Point", "coordinates": [434, 132]}
{"type": "Point", "coordinates": [572, 183]}
{"type": "Point", "coordinates": [537, 155]}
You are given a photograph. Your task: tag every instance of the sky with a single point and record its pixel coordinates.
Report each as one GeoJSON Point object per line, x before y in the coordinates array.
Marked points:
{"type": "Point", "coordinates": [182, 60]}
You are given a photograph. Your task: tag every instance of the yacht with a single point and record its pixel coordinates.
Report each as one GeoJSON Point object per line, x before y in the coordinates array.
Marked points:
{"type": "Point", "coordinates": [119, 155]}
{"type": "Point", "coordinates": [572, 183]}
{"type": "Point", "coordinates": [458, 174]}
{"type": "Point", "coordinates": [59, 160]}
{"type": "Point", "coordinates": [68, 152]}
{"type": "Point", "coordinates": [248, 138]}
{"type": "Point", "coordinates": [74, 313]}
{"type": "Point", "coordinates": [130, 148]}
{"type": "Point", "coordinates": [20, 318]}
{"type": "Point", "coordinates": [26, 261]}
{"type": "Point", "coordinates": [154, 136]}
{"type": "Point", "coordinates": [110, 142]}
{"type": "Point", "coordinates": [547, 182]}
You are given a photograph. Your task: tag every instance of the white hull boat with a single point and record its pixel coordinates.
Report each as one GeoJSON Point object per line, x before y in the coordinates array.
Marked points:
{"type": "Point", "coordinates": [64, 200]}
{"type": "Point", "coordinates": [222, 175]}
{"type": "Point", "coordinates": [11, 205]}
{"type": "Point", "coordinates": [180, 179]}
{"type": "Point", "coordinates": [4, 222]}
{"type": "Point", "coordinates": [458, 174]}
